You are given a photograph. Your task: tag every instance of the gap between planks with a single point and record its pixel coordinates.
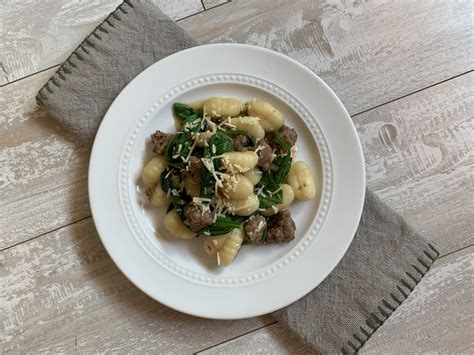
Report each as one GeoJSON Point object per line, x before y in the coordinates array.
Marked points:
{"type": "Point", "coordinates": [412, 93]}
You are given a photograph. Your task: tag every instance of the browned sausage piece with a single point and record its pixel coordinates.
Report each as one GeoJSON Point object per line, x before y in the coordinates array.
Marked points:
{"type": "Point", "coordinates": [196, 217]}
{"type": "Point", "coordinates": [160, 140]}
{"type": "Point", "coordinates": [254, 228]}
{"type": "Point", "coordinates": [282, 228]}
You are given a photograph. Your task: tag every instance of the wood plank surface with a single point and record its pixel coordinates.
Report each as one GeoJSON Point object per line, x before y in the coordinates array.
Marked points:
{"type": "Point", "coordinates": [43, 174]}
{"type": "Point", "coordinates": [63, 293]}
{"type": "Point", "coordinates": [418, 150]}
{"type": "Point", "coordinates": [208, 4]}
{"type": "Point", "coordinates": [437, 317]}
{"type": "Point", "coordinates": [369, 52]}
{"type": "Point", "coordinates": [37, 35]}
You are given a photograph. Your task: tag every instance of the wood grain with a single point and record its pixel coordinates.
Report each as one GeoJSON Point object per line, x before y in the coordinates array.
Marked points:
{"type": "Point", "coordinates": [419, 154]}
{"type": "Point", "coordinates": [209, 4]}
{"type": "Point", "coordinates": [418, 166]}
{"type": "Point", "coordinates": [368, 52]}
{"type": "Point", "coordinates": [62, 293]}
{"type": "Point", "coordinates": [35, 35]}
{"type": "Point", "coordinates": [43, 174]}
{"type": "Point", "coordinates": [437, 317]}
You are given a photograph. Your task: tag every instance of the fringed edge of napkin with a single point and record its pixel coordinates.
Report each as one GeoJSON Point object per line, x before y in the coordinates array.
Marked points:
{"type": "Point", "coordinates": [86, 45]}
{"type": "Point", "coordinates": [385, 308]}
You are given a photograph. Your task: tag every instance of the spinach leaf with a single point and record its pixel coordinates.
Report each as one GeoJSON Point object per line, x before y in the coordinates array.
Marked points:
{"type": "Point", "coordinates": [224, 224]}
{"type": "Point", "coordinates": [271, 182]}
{"type": "Point", "coordinates": [222, 144]}
{"type": "Point", "coordinates": [180, 145]}
{"type": "Point", "coordinates": [184, 111]}
{"type": "Point", "coordinates": [166, 183]}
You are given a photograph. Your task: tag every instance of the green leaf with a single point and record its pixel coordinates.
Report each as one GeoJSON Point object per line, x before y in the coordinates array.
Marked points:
{"type": "Point", "coordinates": [222, 144]}
{"type": "Point", "coordinates": [272, 181]}
{"type": "Point", "coordinates": [224, 224]}
{"type": "Point", "coordinates": [185, 112]}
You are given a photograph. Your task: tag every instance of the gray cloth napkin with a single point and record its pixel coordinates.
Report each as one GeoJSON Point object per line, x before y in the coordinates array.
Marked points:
{"type": "Point", "coordinates": [382, 266]}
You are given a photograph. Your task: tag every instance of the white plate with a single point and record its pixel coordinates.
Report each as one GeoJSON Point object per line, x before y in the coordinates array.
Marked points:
{"type": "Point", "coordinates": [178, 273]}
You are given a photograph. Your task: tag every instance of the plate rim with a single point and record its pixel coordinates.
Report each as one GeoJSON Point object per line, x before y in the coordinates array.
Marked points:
{"type": "Point", "coordinates": [94, 153]}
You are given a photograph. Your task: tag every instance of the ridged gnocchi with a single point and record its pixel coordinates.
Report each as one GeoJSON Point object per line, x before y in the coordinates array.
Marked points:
{"type": "Point", "coordinates": [174, 225]}
{"type": "Point", "coordinates": [302, 182]}
{"type": "Point", "coordinates": [249, 124]}
{"type": "Point", "coordinates": [244, 207]}
{"type": "Point", "coordinates": [221, 107]}
{"type": "Point", "coordinates": [254, 176]}
{"type": "Point", "coordinates": [230, 247]}
{"type": "Point", "coordinates": [239, 162]}
{"type": "Point", "coordinates": [152, 171]}
{"type": "Point", "coordinates": [213, 244]}
{"type": "Point", "coordinates": [237, 187]}
{"type": "Point", "coordinates": [270, 118]}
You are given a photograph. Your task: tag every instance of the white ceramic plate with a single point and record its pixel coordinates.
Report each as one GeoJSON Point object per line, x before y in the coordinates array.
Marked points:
{"type": "Point", "coordinates": [178, 273]}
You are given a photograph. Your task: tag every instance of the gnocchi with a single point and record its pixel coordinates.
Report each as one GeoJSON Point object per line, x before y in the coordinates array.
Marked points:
{"type": "Point", "coordinates": [230, 247]}
{"type": "Point", "coordinates": [302, 182]}
{"type": "Point", "coordinates": [230, 178]}
{"type": "Point", "coordinates": [288, 197]}
{"type": "Point", "coordinates": [203, 138]}
{"type": "Point", "coordinates": [244, 207]}
{"type": "Point", "coordinates": [175, 226]}
{"type": "Point", "coordinates": [239, 162]}
{"type": "Point", "coordinates": [152, 171]}
{"type": "Point", "coordinates": [254, 176]}
{"type": "Point", "coordinates": [249, 124]}
{"type": "Point", "coordinates": [157, 196]}
{"type": "Point", "coordinates": [213, 244]}
{"type": "Point", "coordinates": [237, 187]}
{"type": "Point", "coordinates": [221, 107]}
{"type": "Point", "coordinates": [270, 118]}
{"type": "Point", "coordinates": [192, 187]}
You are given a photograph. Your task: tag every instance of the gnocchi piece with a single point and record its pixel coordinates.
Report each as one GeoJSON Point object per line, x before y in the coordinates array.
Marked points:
{"type": "Point", "coordinates": [197, 105]}
{"type": "Point", "coordinates": [237, 187]}
{"type": "Point", "coordinates": [250, 125]}
{"type": "Point", "coordinates": [203, 138]}
{"type": "Point", "coordinates": [239, 162]}
{"type": "Point", "coordinates": [174, 225]}
{"type": "Point", "coordinates": [254, 176]}
{"type": "Point", "coordinates": [213, 244]}
{"type": "Point", "coordinates": [219, 107]}
{"type": "Point", "coordinates": [192, 187]}
{"type": "Point", "coordinates": [157, 196]}
{"type": "Point", "coordinates": [244, 207]}
{"type": "Point", "coordinates": [231, 246]}
{"type": "Point", "coordinates": [301, 180]}
{"type": "Point", "coordinates": [270, 118]}
{"type": "Point", "coordinates": [152, 171]}
{"type": "Point", "coordinates": [288, 197]}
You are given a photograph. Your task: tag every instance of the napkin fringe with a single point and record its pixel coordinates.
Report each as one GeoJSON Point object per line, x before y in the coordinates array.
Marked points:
{"type": "Point", "coordinates": [385, 308]}
{"type": "Point", "coordinates": [85, 46]}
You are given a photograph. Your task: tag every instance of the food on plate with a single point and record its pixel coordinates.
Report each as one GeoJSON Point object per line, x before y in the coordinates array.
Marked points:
{"type": "Point", "coordinates": [228, 175]}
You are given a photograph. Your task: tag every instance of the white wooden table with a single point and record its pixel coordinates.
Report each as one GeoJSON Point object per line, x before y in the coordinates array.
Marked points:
{"type": "Point", "coordinates": [402, 68]}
